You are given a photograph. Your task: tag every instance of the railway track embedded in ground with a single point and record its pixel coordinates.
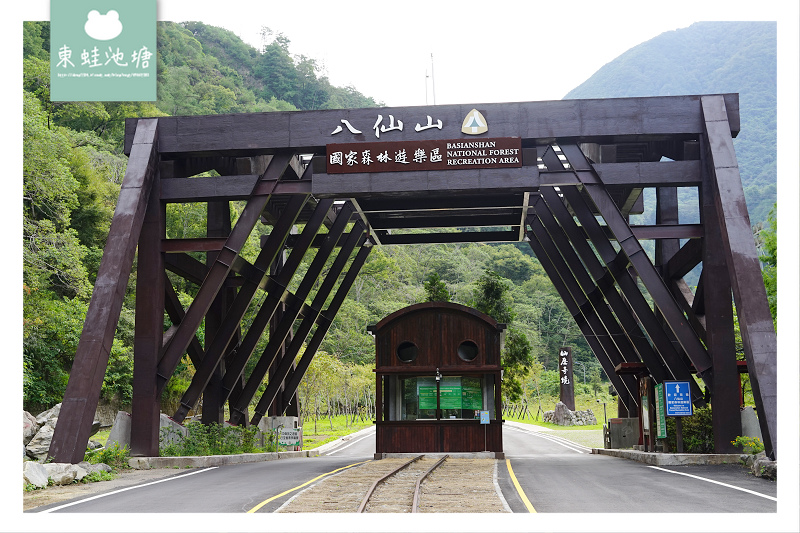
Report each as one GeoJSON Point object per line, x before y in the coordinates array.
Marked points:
{"type": "Point", "coordinates": [425, 483]}
{"type": "Point", "coordinates": [391, 493]}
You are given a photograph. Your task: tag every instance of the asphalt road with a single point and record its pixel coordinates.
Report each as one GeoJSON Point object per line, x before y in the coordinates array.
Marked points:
{"type": "Point", "coordinates": [561, 477]}
{"type": "Point", "coordinates": [556, 476]}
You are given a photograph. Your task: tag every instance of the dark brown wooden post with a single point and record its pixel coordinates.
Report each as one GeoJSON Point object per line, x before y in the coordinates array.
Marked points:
{"type": "Point", "coordinates": [755, 319]}
{"type": "Point", "coordinates": [149, 329]}
{"type": "Point", "coordinates": [91, 359]}
{"type": "Point", "coordinates": [218, 224]}
{"type": "Point", "coordinates": [726, 419]}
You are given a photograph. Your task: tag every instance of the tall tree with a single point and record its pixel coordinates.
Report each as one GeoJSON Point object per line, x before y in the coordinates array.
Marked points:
{"type": "Point", "coordinates": [435, 289]}
{"type": "Point", "coordinates": [769, 257]}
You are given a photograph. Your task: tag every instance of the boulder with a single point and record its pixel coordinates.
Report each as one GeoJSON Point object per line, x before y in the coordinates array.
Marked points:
{"type": "Point", "coordinates": [121, 431]}
{"type": "Point", "coordinates": [64, 473]}
{"type": "Point", "coordinates": [29, 427]}
{"type": "Point", "coordinates": [169, 431]}
{"type": "Point", "coordinates": [91, 468]}
{"type": "Point", "coordinates": [34, 473]}
{"type": "Point", "coordinates": [39, 446]}
{"type": "Point", "coordinates": [764, 467]}
{"type": "Point", "coordinates": [50, 413]}
{"type": "Point", "coordinates": [564, 417]}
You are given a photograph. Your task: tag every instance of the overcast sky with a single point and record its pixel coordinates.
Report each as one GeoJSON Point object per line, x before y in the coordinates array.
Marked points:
{"type": "Point", "coordinates": [483, 51]}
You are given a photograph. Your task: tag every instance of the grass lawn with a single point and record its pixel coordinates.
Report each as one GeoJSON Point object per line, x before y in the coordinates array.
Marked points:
{"type": "Point", "coordinates": [325, 434]}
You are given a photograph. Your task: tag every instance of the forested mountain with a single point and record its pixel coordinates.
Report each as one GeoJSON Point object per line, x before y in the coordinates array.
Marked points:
{"type": "Point", "coordinates": [708, 58]}
{"type": "Point", "coordinates": [73, 167]}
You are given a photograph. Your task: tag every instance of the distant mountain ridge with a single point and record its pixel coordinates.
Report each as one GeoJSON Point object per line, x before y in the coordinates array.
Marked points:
{"type": "Point", "coordinates": [710, 58]}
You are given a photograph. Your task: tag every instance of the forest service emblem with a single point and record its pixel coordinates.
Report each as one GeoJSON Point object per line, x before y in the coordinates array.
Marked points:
{"type": "Point", "coordinates": [474, 123]}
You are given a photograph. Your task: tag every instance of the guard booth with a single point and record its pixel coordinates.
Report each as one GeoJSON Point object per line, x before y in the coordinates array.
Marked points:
{"type": "Point", "coordinates": [437, 367]}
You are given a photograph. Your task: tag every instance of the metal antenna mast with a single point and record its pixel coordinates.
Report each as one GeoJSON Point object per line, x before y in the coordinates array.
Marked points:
{"type": "Point", "coordinates": [433, 82]}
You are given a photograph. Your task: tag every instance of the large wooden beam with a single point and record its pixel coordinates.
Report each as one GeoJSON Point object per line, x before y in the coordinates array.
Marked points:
{"type": "Point", "coordinates": [227, 187]}
{"type": "Point", "coordinates": [726, 419]}
{"type": "Point", "coordinates": [755, 319]}
{"type": "Point", "coordinates": [583, 120]}
{"type": "Point", "coordinates": [86, 378]}
{"type": "Point", "coordinates": [505, 181]}
{"type": "Point", "coordinates": [149, 329]}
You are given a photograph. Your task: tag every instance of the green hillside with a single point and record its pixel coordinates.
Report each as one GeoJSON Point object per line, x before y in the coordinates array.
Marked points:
{"type": "Point", "coordinates": [707, 58]}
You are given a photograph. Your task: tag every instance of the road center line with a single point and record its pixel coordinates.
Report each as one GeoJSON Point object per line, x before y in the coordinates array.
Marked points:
{"type": "Point", "coordinates": [284, 493]}
{"type": "Point", "coordinates": [522, 495]}
{"type": "Point", "coordinates": [718, 483]}
{"type": "Point", "coordinates": [124, 489]}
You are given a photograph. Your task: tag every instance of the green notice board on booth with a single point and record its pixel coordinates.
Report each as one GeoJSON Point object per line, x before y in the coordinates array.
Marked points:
{"type": "Point", "coordinates": [455, 392]}
{"type": "Point", "coordinates": [426, 391]}
{"type": "Point", "coordinates": [450, 393]}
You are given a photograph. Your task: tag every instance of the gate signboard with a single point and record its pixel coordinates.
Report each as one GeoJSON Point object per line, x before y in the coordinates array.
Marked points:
{"type": "Point", "coordinates": [678, 398]}
{"type": "Point", "coordinates": [661, 420]}
{"type": "Point", "coordinates": [404, 156]}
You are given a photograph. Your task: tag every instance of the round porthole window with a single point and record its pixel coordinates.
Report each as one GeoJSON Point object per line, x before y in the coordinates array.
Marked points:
{"type": "Point", "coordinates": [468, 350]}
{"type": "Point", "coordinates": [407, 351]}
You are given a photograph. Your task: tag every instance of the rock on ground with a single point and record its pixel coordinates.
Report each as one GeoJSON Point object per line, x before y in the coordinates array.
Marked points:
{"type": "Point", "coordinates": [34, 473]}
{"type": "Point", "coordinates": [39, 446]}
{"type": "Point", "coordinates": [64, 473]}
{"type": "Point", "coordinates": [564, 417]}
{"type": "Point", "coordinates": [29, 427]}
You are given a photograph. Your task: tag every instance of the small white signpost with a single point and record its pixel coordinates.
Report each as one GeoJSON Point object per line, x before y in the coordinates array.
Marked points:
{"type": "Point", "coordinates": [289, 436]}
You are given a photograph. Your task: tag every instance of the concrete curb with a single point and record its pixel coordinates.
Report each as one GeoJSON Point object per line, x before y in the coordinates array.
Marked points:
{"type": "Point", "coordinates": [673, 459]}
{"type": "Point", "coordinates": [146, 463]}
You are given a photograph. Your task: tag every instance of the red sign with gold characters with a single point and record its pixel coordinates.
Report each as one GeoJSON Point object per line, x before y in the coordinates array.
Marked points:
{"type": "Point", "coordinates": [454, 154]}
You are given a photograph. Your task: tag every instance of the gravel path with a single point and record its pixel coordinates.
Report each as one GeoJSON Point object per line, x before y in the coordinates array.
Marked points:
{"type": "Point", "coordinates": [458, 486]}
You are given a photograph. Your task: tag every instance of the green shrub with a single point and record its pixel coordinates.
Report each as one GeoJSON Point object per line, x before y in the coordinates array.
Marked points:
{"type": "Point", "coordinates": [211, 439]}
{"type": "Point", "coordinates": [99, 475]}
{"type": "Point", "coordinates": [115, 457]}
{"type": "Point", "coordinates": [751, 445]}
{"type": "Point", "coordinates": [698, 435]}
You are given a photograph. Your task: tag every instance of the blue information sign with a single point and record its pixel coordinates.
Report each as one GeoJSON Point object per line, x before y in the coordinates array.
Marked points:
{"type": "Point", "coordinates": [484, 417]}
{"type": "Point", "coordinates": [677, 398]}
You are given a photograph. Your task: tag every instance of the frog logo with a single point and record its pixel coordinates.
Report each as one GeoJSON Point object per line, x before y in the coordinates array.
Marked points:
{"type": "Point", "coordinates": [103, 27]}
{"type": "Point", "coordinates": [474, 123]}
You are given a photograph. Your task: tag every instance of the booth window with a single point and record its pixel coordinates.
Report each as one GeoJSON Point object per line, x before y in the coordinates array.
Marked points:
{"type": "Point", "coordinates": [407, 351]}
{"type": "Point", "coordinates": [459, 397]}
{"type": "Point", "coordinates": [467, 351]}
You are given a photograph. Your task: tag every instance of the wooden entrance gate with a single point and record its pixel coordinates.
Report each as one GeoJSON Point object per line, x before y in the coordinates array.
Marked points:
{"type": "Point", "coordinates": [582, 166]}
